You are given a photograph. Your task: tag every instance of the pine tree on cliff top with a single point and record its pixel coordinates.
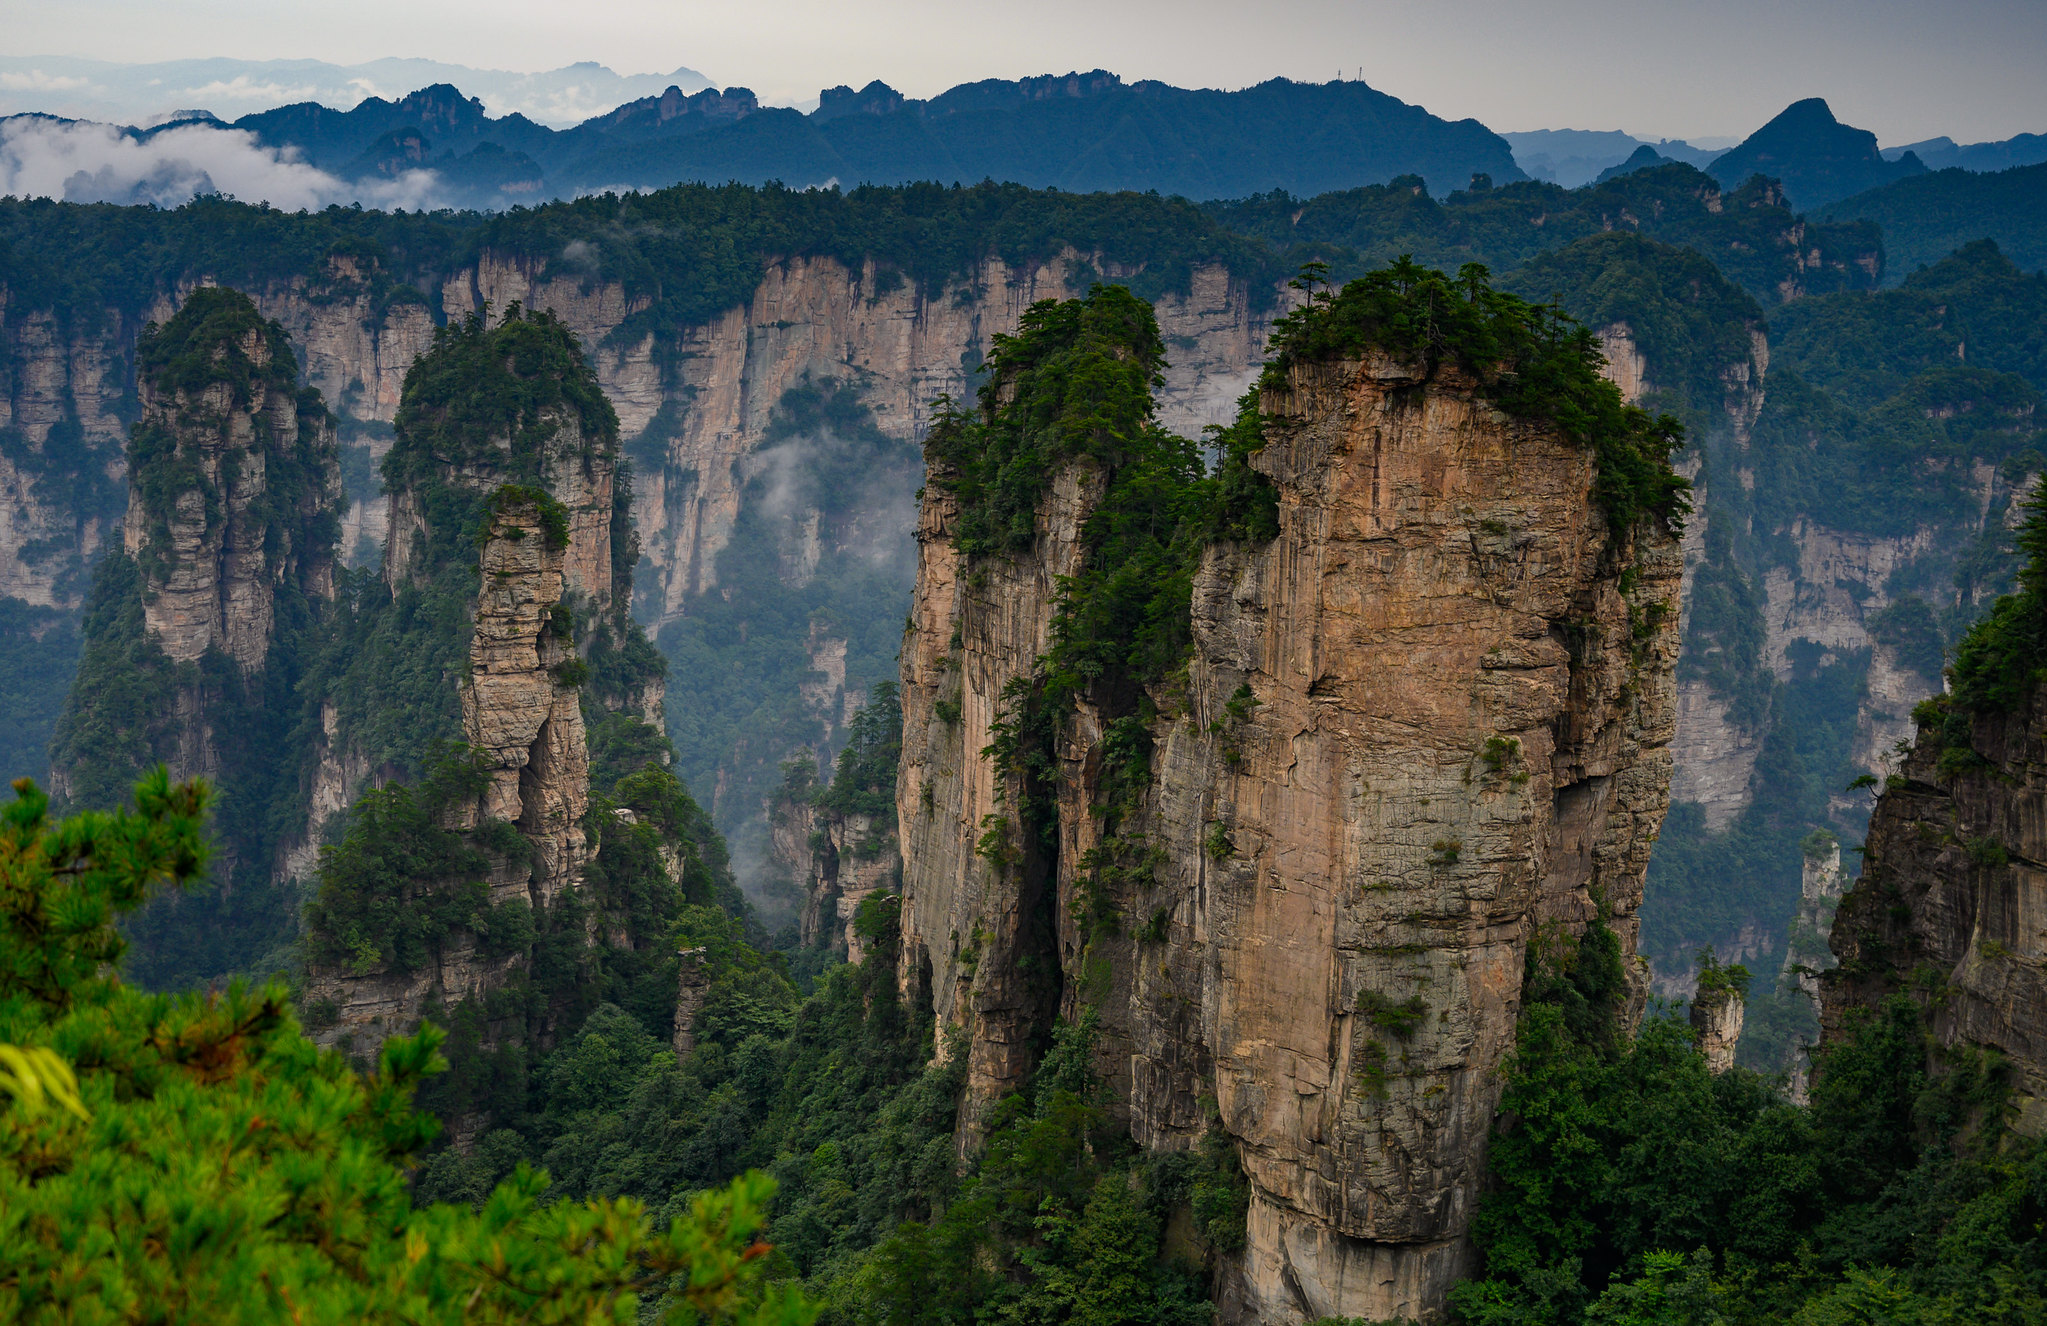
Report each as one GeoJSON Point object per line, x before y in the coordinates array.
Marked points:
{"type": "Point", "coordinates": [195, 1158]}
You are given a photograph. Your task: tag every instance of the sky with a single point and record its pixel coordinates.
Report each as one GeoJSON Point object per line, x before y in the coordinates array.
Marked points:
{"type": "Point", "coordinates": [1907, 69]}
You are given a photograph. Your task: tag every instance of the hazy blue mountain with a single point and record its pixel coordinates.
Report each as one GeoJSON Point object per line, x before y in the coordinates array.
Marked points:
{"type": "Point", "coordinates": [1644, 158]}
{"type": "Point", "coordinates": [1944, 153]}
{"type": "Point", "coordinates": [1572, 157]}
{"type": "Point", "coordinates": [1079, 132]}
{"type": "Point", "coordinates": [1817, 158]}
{"type": "Point", "coordinates": [141, 93]}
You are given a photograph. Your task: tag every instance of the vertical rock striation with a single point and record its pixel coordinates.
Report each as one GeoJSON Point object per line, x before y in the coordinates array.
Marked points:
{"type": "Point", "coordinates": [215, 529]}
{"type": "Point", "coordinates": [521, 713]}
{"type": "Point", "coordinates": [1716, 1016]}
{"type": "Point", "coordinates": [1420, 730]}
{"type": "Point", "coordinates": [1806, 956]}
{"type": "Point", "coordinates": [508, 547]}
{"type": "Point", "coordinates": [229, 539]}
{"type": "Point", "coordinates": [1949, 904]}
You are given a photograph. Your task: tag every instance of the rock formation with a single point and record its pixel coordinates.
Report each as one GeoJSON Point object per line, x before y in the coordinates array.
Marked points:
{"type": "Point", "coordinates": [1807, 956]}
{"type": "Point", "coordinates": [693, 987]}
{"type": "Point", "coordinates": [215, 530]}
{"type": "Point", "coordinates": [1948, 906]}
{"type": "Point", "coordinates": [1716, 1014]}
{"type": "Point", "coordinates": [817, 318]}
{"type": "Point", "coordinates": [521, 711]}
{"type": "Point", "coordinates": [504, 506]}
{"type": "Point", "coordinates": [230, 532]}
{"type": "Point", "coordinates": [837, 844]}
{"type": "Point", "coordinates": [1422, 726]}
{"type": "Point", "coordinates": [838, 860]}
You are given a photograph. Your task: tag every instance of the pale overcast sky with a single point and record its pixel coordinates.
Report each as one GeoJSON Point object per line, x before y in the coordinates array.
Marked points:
{"type": "Point", "coordinates": [1907, 69]}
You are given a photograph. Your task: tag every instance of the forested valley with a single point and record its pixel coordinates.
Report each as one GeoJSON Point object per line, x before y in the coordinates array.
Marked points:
{"type": "Point", "coordinates": [977, 754]}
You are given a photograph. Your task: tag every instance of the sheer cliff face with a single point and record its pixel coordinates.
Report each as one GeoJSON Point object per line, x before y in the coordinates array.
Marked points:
{"type": "Point", "coordinates": [817, 318]}
{"type": "Point", "coordinates": [63, 393]}
{"type": "Point", "coordinates": [1452, 701]}
{"type": "Point", "coordinates": [1951, 898]}
{"type": "Point", "coordinates": [213, 551]}
{"type": "Point", "coordinates": [521, 717]}
{"type": "Point", "coordinates": [838, 861]}
{"type": "Point", "coordinates": [233, 484]}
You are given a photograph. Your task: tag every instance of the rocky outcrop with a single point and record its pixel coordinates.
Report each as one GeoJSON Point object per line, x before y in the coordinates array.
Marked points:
{"type": "Point", "coordinates": [693, 989]}
{"type": "Point", "coordinates": [521, 711]}
{"type": "Point", "coordinates": [479, 419]}
{"type": "Point", "coordinates": [234, 482]}
{"type": "Point", "coordinates": [201, 523]}
{"type": "Point", "coordinates": [1424, 725]}
{"type": "Point", "coordinates": [1716, 1016]}
{"type": "Point", "coordinates": [1953, 886]}
{"type": "Point", "coordinates": [64, 415]}
{"type": "Point", "coordinates": [1806, 956]}
{"type": "Point", "coordinates": [841, 860]}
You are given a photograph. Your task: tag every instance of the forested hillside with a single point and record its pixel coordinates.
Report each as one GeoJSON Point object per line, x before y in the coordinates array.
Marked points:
{"type": "Point", "coordinates": [1930, 216]}
{"type": "Point", "coordinates": [639, 1036]}
{"type": "Point", "coordinates": [1749, 233]}
{"type": "Point", "coordinates": [750, 619]}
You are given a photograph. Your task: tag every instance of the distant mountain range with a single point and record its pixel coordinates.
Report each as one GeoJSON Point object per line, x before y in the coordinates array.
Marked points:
{"type": "Point", "coordinates": [1818, 159]}
{"type": "Point", "coordinates": [445, 146]}
{"type": "Point", "coordinates": [1077, 132]}
{"type": "Point", "coordinates": [1945, 153]}
{"type": "Point", "coordinates": [145, 94]}
{"type": "Point", "coordinates": [1573, 157]}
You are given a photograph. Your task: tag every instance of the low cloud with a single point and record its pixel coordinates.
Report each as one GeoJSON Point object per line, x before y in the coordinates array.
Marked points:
{"type": "Point", "coordinates": [243, 90]}
{"type": "Point", "coordinates": [82, 162]}
{"type": "Point", "coordinates": [35, 80]}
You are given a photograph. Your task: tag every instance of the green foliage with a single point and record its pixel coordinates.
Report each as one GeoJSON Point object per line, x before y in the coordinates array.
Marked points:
{"type": "Point", "coordinates": [1883, 411]}
{"type": "Point", "coordinates": [1073, 388]}
{"type": "Point", "coordinates": [1075, 381]}
{"type": "Point", "coordinates": [1530, 360]}
{"type": "Point", "coordinates": [1908, 626]}
{"type": "Point", "coordinates": [1748, 233]}
{"type": "Point", "coordinates": [1714, 978]}
{"type": "Point", "coordinates": [209, 343]}
{"type": "Point", "coordinates": [1060, 1222]}
{"type": "Point", "coordinates": [864, 779]}
{"type": "Point", "coordinates": [211, 346]}
{"type": "Point", "coordinates": [2004, 655]}
{"type": "Point", "coordinates": [1074, 385]}
{"type": "Point", "coordinates": [1630, 1185]}
{"type": "Point", "coordinates": [1399, 1018]}
{"type": "Point", "coordinates": [508, 497]}
{"type": "Point", "coordinates": [125, 683]}
{"type": "Point", "coordinates": [516, 403]}
{"type": "Point", "coordinates": [125, 709]}
{"type": "Point", "coordinates": [219, 1165]}
{"type": "Point", "coordinates": [832, 1093]}
{"type": "Point", "coordinates": [1688, 321]}
{"type": "Point", "coordinates": [398, 884]}
{"type": "Point", "coordinates": [1927, 217]}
